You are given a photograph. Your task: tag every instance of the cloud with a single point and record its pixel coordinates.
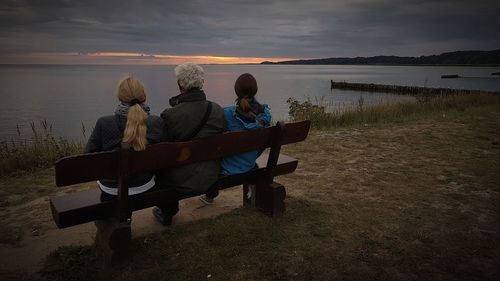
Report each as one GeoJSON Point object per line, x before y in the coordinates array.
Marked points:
{"type": "Point", "coordinates": [292, 29]}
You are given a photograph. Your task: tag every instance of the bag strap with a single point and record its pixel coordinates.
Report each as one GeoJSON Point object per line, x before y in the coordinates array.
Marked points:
{"type": "Point", "coordinates": [202, 123]}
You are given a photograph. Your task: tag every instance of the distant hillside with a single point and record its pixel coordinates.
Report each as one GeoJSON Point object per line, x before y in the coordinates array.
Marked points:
{"type": "Point", "coordinates": [452, 58]}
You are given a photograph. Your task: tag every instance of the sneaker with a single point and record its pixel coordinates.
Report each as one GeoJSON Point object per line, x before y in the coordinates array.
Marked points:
{"type": "Point", "coordinates": [207, 200]}
{"type": "Point", "coordinates": [249, 193]}
{"type": "Point", "coordinates": [164, 219]}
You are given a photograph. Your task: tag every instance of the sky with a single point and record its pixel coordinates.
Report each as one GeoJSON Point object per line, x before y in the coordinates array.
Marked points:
{"type": "Point", "coordinates": [239, 31]}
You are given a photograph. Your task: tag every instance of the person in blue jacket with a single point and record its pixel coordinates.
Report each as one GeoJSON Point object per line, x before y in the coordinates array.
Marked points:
{"type": "Point", "coordinates": [248, 114]}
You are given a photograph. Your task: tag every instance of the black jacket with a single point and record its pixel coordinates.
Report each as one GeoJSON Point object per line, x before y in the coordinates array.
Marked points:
{"type": "Point", "coordinates": [179, 122]}
{"type": "Point", "coordinates": [108, 134]}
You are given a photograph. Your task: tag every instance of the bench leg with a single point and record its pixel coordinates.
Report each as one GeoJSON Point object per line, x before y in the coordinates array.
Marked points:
{"type": "Point", "coordinates": [113, 240]}
{"type": "Point", "coordinates": [268, 198]}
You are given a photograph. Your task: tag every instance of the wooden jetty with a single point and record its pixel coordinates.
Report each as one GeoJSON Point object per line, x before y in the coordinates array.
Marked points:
{"type": "Point", "coordinates": [404, 90]}
{"type": "Point", "coordinates": [448, 76]}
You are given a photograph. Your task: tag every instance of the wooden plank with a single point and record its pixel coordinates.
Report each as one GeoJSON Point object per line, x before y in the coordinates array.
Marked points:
{"type": "Point", "coordinates": [274, 151]}
{"type": "Point", "coordinates": [86, 167]}
{"type": "Point", "coordinates": [80, 207]}
{"type": "Point", "coordinates": [85, 206]}
{"type": "Point", "coordinates": [167, 155]}
{"type": "Point", "coordinates": [123, 183]}
{"type": "Point", "coordinates": [89, 167]}
{"type": "Point", "coordinates": [296, 132]}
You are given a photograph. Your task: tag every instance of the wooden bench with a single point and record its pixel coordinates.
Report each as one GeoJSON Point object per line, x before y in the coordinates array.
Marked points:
{"type": "Point", "coordinates": [113, 231]}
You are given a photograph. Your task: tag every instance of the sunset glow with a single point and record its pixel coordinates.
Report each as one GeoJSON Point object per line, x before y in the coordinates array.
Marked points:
{"type": "Point", "coordinates": [130, 58]}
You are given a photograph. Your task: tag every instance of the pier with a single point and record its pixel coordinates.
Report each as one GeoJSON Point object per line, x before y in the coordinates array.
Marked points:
{"type": "Point", "coordinates": [404, 90]}
{"type": "Point", "coordinates": [448, 76]}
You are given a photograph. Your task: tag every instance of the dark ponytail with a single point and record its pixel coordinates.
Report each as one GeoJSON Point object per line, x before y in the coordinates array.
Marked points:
{"type": "Point", "coordinates": [247, 108]}
{"type": "Point", "coordinates": [244, 104]}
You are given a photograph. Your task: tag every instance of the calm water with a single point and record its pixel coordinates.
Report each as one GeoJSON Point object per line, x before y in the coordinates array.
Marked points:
{"type": "Point", "coordinates": [69, 95]}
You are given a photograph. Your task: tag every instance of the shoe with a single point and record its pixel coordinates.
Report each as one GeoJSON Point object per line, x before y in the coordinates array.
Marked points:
{"type": "Point", "coordinates": [207, 200]}
{"type": "Point", "coordinates": [249, 193]}
{"type": "Point", "coordinates": [164, 219]}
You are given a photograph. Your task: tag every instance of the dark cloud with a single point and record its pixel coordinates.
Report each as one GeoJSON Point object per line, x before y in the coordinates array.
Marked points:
{"type": "Point", "coordinates": [309, 29]}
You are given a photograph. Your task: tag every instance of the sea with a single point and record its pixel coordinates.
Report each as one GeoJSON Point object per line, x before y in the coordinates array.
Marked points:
{"type": "Point", "coordinates": [70, 98]}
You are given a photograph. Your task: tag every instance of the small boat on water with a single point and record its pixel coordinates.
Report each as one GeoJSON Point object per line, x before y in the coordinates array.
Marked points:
{"type": "Point", "coordinates": [495, 73]}
{"type": "Point", "coordinates": [447, 76]}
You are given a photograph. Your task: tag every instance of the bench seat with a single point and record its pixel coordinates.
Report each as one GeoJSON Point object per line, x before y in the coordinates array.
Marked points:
{"type": "Point", "coordinates": [86, 206]}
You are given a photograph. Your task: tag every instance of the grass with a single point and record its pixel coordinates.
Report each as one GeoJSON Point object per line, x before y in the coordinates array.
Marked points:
{"type": "Point", "coordinates": [415, 200]}
{"type": "Point", "coordinates": [216, 248]}
{"type": "Point", "coordinates": [326, 116]}
{"type": "Point", "coordinates": [39, 150]}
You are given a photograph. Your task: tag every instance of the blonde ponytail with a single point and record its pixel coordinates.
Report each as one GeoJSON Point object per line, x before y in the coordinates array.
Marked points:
{"type": "Point", "coordinates": [135, 131]}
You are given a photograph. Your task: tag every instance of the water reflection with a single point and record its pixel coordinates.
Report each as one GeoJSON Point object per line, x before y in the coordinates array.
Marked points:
{"type": "Point", "coordinates": [69, 95]}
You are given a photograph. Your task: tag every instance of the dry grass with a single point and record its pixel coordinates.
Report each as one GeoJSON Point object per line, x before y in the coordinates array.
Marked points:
{"type": "Point", "coordinates": [324, 116]}
{"type": "Point", "coordinates": [416, 200]}
{"type": "Point", "coordinates": [39, 150]}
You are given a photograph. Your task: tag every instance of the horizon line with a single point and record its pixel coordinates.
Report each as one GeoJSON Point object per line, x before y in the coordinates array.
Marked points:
{"type": "Point", "coordinates": [129, 58]}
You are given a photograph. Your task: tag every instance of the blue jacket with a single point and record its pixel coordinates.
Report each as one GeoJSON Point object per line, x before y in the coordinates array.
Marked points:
{"type": "Point", "coordinates": [243, 162]}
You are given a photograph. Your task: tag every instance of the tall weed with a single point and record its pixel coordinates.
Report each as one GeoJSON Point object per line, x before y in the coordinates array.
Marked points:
{"type": "Point", "coordinates": [38, 150]}
{"type": "Point", "coordinates": [324, 115]}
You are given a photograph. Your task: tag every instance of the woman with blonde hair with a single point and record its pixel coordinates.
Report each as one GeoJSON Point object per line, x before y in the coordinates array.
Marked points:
{"type": "Point", "coordinates": [131, 123]}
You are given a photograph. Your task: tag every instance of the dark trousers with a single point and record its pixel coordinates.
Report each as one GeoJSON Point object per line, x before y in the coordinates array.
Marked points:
{"type": "Point", "coordinates": [170, 208]}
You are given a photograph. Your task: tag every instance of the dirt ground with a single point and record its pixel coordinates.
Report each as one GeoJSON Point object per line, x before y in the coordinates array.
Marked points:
{"type": "Point", "coordinates": [420, 195]}
{"type": "Point", "coordinates": [30, 234]}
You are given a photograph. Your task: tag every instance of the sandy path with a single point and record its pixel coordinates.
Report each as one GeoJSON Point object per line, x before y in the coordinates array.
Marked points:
{"type": "Point", "coordinates": [40, 236]}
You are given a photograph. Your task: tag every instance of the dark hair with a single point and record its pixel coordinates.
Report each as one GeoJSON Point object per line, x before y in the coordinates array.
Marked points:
{"type": "Point", "coordinates": [245, 88]}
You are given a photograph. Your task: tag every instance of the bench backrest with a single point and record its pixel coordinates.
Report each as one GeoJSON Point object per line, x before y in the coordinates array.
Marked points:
{"type": "Point", "coordinates": [119, 164]}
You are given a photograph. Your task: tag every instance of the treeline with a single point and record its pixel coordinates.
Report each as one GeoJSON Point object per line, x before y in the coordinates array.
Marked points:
{"type": "Point", "coordinates": [451, 58]}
